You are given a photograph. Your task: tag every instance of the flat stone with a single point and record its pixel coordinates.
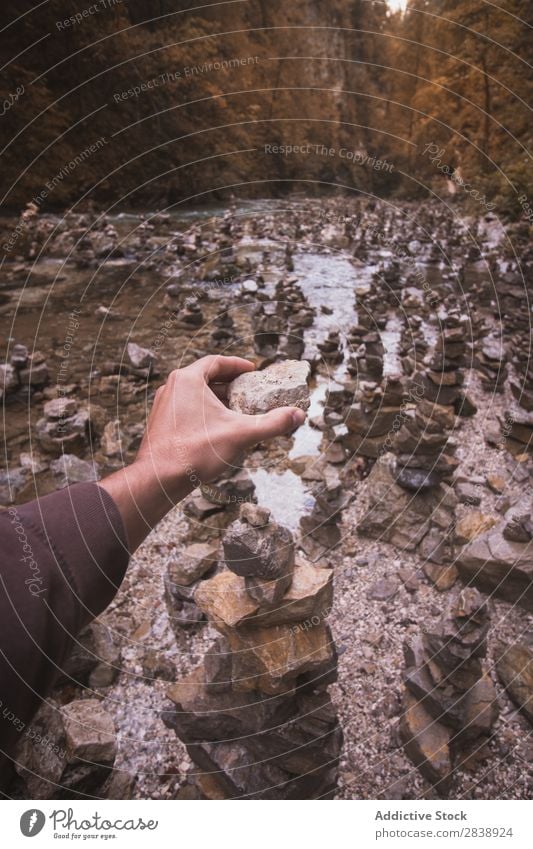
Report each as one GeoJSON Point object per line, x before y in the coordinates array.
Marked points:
{"type": "Point", "coordinates": [271, 659]}
{"type": "Point", "coordinates": [279, 385]}
{"type": "Point", "coordinates": [225, 600]}
{"type": "Point", "coordinates": [60, 408]}
{"type": "Point", "coordinates": [496, 483]}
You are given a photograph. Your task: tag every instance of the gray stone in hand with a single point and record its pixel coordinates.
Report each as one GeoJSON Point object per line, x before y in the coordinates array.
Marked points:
{"type": "Point", "coordinates": [279, 385]}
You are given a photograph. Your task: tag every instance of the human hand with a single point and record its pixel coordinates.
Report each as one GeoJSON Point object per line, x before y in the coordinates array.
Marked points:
{"type": "Point", "coordinates": [191, 437]}
{"type": "Point", "coordinates": [191, 430]}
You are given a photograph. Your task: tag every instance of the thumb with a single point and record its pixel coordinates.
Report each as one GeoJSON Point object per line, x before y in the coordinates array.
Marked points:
{"type": "Point", "coordinates": [275, 423]}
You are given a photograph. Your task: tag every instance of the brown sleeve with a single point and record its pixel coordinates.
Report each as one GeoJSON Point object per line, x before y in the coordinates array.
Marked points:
{"type": "Point", "coordinates": [63, 558]}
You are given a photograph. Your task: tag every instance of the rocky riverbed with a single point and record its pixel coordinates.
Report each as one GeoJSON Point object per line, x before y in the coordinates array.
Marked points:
{"type": "Point", "coordinates": [410, 479]}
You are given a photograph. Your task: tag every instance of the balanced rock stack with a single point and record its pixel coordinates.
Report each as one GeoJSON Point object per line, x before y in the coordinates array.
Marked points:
{"type": "Point", "coordinates": [331, 348]}
{"type": "Point", "coordinates": [256, 716]}
{"type": "Point", "coordinates": [450, 700]}
{"type": "Point", "coordinates": [491, 362]}
{"type": "Point", "coordinates": [423, 444]}
{"type": "Point", "coordinates": [23, 370]}
{"type": "Point", "coordinates": [366, 360]}
{"type": "Point", "coordinates": [320, 530]}
{"type": "Point", "coordinates": [375, 416]}
{"type": "Point", "coordinates": [224, 330]}
{"type": "Point", "coordinates": [269, 327]}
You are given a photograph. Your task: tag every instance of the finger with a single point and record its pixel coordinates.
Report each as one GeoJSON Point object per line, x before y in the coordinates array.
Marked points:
{"type": "Point", "coordinates": [219, 368]}
{"type": "Point", "coordinates": [275, 423]}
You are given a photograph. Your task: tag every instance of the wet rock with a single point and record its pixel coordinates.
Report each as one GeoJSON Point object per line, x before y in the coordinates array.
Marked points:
{"type": "Point", "coordinates": [279, 385]}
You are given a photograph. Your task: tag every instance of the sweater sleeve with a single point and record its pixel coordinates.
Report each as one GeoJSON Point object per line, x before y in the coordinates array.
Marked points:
{"type": "Point", "coordinates": [63, 558]}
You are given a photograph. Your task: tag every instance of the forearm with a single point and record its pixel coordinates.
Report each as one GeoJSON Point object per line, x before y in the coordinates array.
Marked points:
{"type": "Point", "coordinates": [63, 558]}
{"type": "Point", "coordinates": [143, 499]}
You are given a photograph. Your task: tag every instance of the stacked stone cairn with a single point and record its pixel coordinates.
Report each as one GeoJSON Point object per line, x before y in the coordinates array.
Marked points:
{"type": "Point", "coordinates": [256, 716]}
{"type": "Point", "coordinates": [423, 444]}
{"type": "Point", "coordinates": [24, 370]}
{"type": "Point", "coordinates": [319, 529]}
{"type": "Point", "coordinates": [331, 349]}
{"type": "Point", "coordinates": [450, 702]}
{"type": "Point", "coordinates": [491, 362]}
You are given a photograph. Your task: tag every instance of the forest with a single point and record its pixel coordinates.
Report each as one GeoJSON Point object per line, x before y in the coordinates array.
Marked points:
{"type": "Point", "coordinates": [446, 76]}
